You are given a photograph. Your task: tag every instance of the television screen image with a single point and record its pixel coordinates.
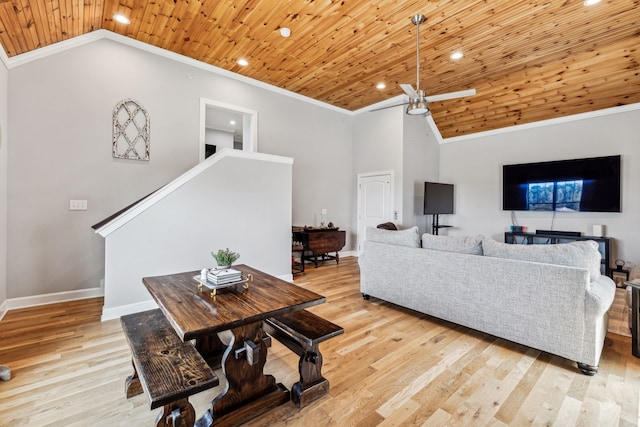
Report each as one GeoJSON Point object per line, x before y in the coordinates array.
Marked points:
{"type": "Point", "coordinates": [578, 185]}
{"type": "Point", "coordinates": [438, 198]}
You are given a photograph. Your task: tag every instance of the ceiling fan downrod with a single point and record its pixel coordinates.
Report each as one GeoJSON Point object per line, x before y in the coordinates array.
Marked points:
{"type": "Point", "coordinates": [417, 19]}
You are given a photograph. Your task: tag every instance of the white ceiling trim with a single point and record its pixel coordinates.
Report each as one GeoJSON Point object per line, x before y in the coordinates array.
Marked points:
{"type": "Point", "coordinates": [4, 58]}
{"type": "Point", "coordinates": [558, 120]}
{"type": "Point", "coordinates": [43, 52]}
{"type": "Point", "coordinates": [16, 61]}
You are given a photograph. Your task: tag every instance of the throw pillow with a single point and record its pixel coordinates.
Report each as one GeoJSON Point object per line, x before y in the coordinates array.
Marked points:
{"type": "Point", "coordinates": [583, 254]}
{"type": "Point", "coordinates": [407, 237]}
{"type": "Point", "coordinates": [460, 244]}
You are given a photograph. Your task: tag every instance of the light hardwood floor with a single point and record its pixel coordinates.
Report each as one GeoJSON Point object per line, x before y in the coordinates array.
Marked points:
{"type": "Point", "coordinates": [392, 367]}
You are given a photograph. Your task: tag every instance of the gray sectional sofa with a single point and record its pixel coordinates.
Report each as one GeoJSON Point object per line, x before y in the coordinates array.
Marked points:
{"type": "Point", "coordinates": [549, 297]}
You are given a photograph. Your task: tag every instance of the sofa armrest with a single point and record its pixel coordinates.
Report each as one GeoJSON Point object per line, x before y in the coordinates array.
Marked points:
{"type": "Point", "coordinates": [599, 296]}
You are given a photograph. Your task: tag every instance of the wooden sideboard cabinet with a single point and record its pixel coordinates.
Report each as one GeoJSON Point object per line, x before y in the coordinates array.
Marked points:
{"type": "Point", "coordinates": [604, 244]}
{"type": "Point", "coordinates": [319, 242]}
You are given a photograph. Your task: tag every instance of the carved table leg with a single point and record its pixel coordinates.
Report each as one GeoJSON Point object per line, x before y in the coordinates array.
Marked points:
{"type": "Point", "coordinates": [132, 386]}
{"type": "Point", "coordinates": [248, 392]}
{"type": "Point", "coordinates": [211, 349]}
{"type": "Point", "coordinates": [312, 384]}
{"type": "Point", "coordinates": [177, 414]}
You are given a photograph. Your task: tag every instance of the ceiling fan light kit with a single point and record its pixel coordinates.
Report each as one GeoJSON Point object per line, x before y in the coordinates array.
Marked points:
{"type": "Point", "coordinates": [418, 106]}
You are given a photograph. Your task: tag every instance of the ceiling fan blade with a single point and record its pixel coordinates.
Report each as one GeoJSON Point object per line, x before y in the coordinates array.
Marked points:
{"type": "Point", "coordinates": [451, 95]}
{"type": "Point", "coordinates": [388, 106]}
{"type": "Point", "coordinates": [409, 90]}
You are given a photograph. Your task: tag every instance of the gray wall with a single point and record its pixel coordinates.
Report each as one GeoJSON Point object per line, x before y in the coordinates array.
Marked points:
{"type": "Point", "coordinates": [319, 141]}
{"type": "Point", "coordinates": [218, 138]}
{"type": "Point", "coordinates": [475, 167]}
{"type": "Point", "coordinates": [223, 206]}
{"type": "Point", "coordinates": [3, 184]}
{"type": "Point", "coordinates": [377, 147]}
{"type": "Point", "coordinates": [60, 135]}
{"type": "Point", "coordinates": [61, 110]}
{"type": "Point", "coordinates": [421, 156]}
{"type": "Point", "coordinates": [391, 140]}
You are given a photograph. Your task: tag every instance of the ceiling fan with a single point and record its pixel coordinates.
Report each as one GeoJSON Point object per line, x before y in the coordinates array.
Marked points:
{"type": "Point", "coordinates": [418, 101]}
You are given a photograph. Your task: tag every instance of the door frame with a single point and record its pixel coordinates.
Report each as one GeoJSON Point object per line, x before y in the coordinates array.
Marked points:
{"type": "Point", "coordinates": [392, 212]}
{"type": "Point", "coordinates": [249, 124]}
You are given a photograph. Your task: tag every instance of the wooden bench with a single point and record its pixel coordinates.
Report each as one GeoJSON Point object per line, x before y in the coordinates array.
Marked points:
{"type": "Point", "coordinates": [166, 368]}
{"type": "Point", "coordinates": [302, 332]}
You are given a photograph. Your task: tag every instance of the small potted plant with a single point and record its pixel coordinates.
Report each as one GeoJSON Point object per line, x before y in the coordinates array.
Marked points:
{"type": "Point", "coordinates": [225, 257]}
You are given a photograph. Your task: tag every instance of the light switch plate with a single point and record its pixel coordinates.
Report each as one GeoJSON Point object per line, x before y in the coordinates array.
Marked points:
{"type": "Point", "coordinates": [77, 205]}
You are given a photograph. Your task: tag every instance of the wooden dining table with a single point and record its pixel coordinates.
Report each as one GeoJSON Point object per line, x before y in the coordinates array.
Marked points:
{"type": "Point", "coordinates": [226, 327]}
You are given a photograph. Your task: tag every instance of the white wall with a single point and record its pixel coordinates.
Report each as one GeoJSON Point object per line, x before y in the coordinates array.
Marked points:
{"type": "Point", "coordinates": [61, 109]}
{"type": "Point", "coordinates": [218, 138]}
{"type": "Point", "coordinates": [319, 140]}
{"type": "Point", "coordinates": [240, 201]}
{"type": "Point", "coordinates": [421, 156]}
{"type": "Point", "coordinates": [60, 135]}
{"type": "Point", "coordinates": [3, 185]}
{"type": "Point", "coordinates": [389, 139]}
{"type": "Point", "coordinates": [475, 167]}
{"type": "Point", "coordinates": [378, 146]}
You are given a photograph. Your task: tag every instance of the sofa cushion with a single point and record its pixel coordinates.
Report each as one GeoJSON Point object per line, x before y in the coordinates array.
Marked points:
{"type": "Point", "coordinates": [407, 237]}
{"type": "Point", "coordinates": [461, 244]}
{"type": "Point", "coordinates": [583, 254]}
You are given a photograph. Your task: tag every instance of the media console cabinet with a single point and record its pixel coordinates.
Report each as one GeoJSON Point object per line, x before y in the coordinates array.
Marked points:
{"type": "Point", "coordinates": [604, 243]}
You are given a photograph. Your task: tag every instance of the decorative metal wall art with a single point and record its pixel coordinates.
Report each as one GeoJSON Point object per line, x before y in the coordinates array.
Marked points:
{"type": "Point", "coordinates": [130, 131]}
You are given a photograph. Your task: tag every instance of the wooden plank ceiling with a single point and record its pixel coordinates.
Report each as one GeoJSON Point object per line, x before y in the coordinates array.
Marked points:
{"type": "Point", "coordinates": [529, 60]}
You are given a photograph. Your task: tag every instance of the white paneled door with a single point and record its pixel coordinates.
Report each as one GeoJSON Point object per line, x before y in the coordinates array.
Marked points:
{"type": "Point", "coordinates": [374, 201]}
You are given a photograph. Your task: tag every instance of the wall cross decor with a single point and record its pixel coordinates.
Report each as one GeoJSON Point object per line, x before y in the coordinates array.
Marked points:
{"type": "Point", "coordinates": [130, 131]}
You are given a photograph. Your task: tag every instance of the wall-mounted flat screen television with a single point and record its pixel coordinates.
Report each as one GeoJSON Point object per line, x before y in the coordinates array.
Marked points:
{"type": "Point", "coordinates": [438, 198]}
{"type": "Point", "coordinates": [577, 185]}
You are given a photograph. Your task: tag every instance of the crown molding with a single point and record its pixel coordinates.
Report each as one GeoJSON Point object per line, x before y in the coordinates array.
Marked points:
{"type": "Point", "coordinates": [43, 52]}
{"type": "Point", "coordinates": [558, 120]}
{"type": "Point", "coordinates": [4, 58]}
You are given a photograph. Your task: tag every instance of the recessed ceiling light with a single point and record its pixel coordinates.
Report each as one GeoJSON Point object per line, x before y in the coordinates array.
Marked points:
{"type": "Point", "coordinates": [456, 55]}
{"type": "Point", "coordinates": [243, 62]}
{"type": "Point", "coordinates": [232, 122]}
{"type": "Point", "coordinates": [590, 2]}
{"type": "Point", "coordinates": [285, 32]}
{"type": "Point", "coordinates": [121, 19]}
{"type": "Point", "coordinates": [381, 86]}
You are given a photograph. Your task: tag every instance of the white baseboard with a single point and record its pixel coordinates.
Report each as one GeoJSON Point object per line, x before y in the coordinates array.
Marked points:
{"type": "Point", "coordinates": [4, 307]}
{"type": "Point", "coordinates": [108, 313]}
{"type": "Point", "coordinates": [121, 310]}
{"type": "Point", "coordinates": [35, 300]}
{"type": "Point", "coordinates": [286, 278]}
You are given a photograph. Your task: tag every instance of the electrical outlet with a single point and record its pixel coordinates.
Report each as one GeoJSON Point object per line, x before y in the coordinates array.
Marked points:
{"type": "Point", "coordinates": [324, 211]}
{"type": "Point", "coordinates": [77, 205]}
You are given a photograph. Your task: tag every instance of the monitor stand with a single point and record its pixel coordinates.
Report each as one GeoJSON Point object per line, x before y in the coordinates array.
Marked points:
{"type": "Point", "coordinates": [435, 225]}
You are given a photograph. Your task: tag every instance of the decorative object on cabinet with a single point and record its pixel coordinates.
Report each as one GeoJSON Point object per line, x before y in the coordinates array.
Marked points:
{"type": "Point", "coordinates": [620, 275]}
{"type": "Point", "coordinates": [131, 131]}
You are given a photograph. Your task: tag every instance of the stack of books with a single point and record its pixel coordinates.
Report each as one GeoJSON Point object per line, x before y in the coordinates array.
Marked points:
{"type": "Point", "coordinates": [222, 277]}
